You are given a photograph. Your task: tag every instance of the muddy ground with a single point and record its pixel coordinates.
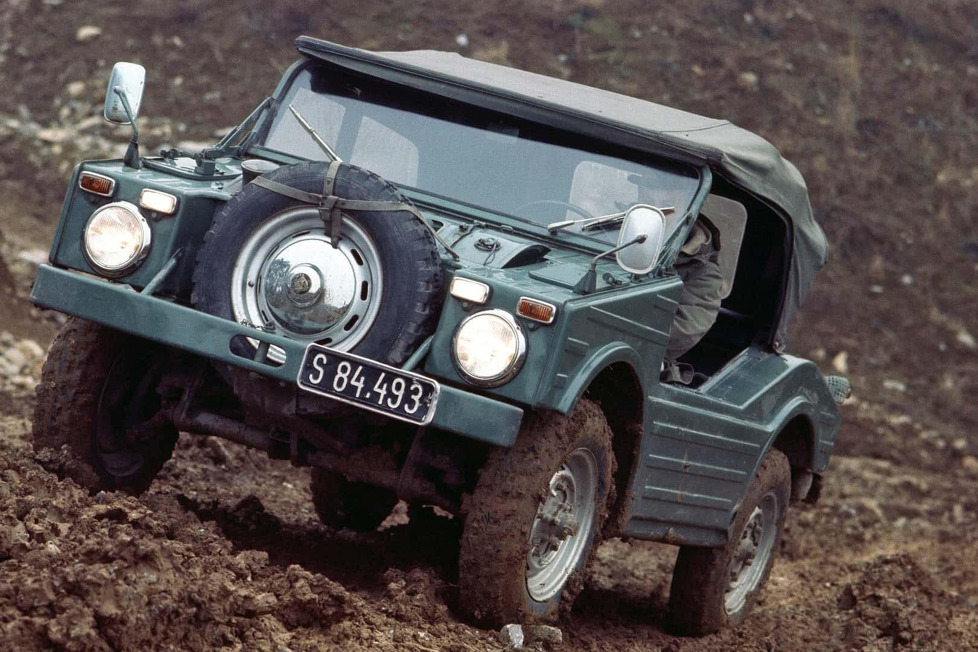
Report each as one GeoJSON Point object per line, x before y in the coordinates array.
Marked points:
{"type": "Point", "coordinates": [876, 102]}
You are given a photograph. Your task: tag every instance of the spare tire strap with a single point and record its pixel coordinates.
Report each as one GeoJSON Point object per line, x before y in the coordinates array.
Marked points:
{"type": "Point", "coordinates": [329, 205]}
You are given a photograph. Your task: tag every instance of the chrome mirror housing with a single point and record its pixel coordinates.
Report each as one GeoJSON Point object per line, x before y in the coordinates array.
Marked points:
{"type": "Point", "coordinates": [640, 257]}
{"type": "Point", "coordinates": [125, 87]}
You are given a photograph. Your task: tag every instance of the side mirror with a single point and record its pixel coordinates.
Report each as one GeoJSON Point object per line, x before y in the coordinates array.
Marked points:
{"type": "Point", "coordinates": [127, 79]}
{"type": "Point", "coordinates": [640, 257]}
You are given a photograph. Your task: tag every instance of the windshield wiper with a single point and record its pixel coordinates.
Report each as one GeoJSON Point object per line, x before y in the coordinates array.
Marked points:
{"type": "Point", "coordinates": [590, 223]}
{"type": "Point", "coordinates": [323, 145]}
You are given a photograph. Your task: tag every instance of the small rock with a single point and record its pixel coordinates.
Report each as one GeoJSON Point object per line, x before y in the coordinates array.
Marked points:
{"type": "Point", "coordinates": [265, 603]}
{"type": "Point", "coordinates": [55, 135]}
{"type": "Point", "coordinates": [31, 349]}
{"type": "Point", "coordinates": [960, 444]}
{"type": "Point", "coordinates": [75, 89]}
{"type": "Point", "coordinates": [33, 256]}
{"type": "Point", "coordinates": [958, 515]}
{"type": "Point", "coordinates": [970, 464]}
{"type": "Point", "coordinates": [217, 452]}
{"type": "Point", "coordinates": [876, 289]}
{"type": "Point", "coordinates": [87, 33]}
{"type": "Point", "coordinates": [748, 80]}
{"type": "Point", "coordinates": [14, 360]}
{"type": "Point", "coordinates": [698, 70]}
{"type": "Point", "coordinates": [511, 636]}
{"type": "Point", "coordinates": [896, 385]}
{"type": "Point", "coordinates": [543, 634]}
{"type": "Point", "coordinates": [25, 382]}
{"type": "Point", "coordinates": [906, 279]}
{"type": "Point", "coordinates": [51, 550]}
{"type": "Point", "coordinates": [841, 362]}
{"type": "Point", "coordinates": [967, 339]}
{"type": "Point", "coordinates": [462, 40]}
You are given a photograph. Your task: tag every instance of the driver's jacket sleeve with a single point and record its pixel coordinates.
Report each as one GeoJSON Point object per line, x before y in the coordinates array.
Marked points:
{"type": "Point", "coordinates": [699, 302]}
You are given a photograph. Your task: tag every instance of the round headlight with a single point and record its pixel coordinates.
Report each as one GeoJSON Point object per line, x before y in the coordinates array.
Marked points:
{"type": "Point", "coordinates": [116, 238]}
{"type": "Point", "coordinates": [489, 348]}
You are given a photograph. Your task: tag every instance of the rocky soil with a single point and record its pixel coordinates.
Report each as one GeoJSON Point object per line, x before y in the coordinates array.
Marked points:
{"type": "Point", "coordinates": [875, 101]}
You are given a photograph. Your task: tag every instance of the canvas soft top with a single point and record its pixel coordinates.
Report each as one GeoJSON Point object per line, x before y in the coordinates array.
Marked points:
{"type": "Point", "coordinates": [741, 157]}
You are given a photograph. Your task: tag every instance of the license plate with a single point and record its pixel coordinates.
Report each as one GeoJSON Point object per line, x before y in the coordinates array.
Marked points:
{"type": "Point", "coordinates": [368, 384]}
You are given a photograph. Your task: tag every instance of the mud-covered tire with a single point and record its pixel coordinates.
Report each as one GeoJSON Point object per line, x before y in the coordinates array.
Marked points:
{"type": "Point", "coordinates": [703, 599]}
{"type": "Point", "coordinates": [494, 557]}
{"type": "Point", "coordinates": [410, 267]}
{"type": "Point", "coordinates": [95, 402]}
{"type": "Point", "coordinates": [341, 504]}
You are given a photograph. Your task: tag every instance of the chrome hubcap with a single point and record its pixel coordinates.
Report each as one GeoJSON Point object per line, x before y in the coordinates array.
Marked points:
{"type": "Point", "coordinates": [753, 553]}
{"type": "Point", "coordinates": [562, 526]}
{"type": "Point", "coordinates": [290, 280]}
{"type": "Point", "coordinates": [309, 298]}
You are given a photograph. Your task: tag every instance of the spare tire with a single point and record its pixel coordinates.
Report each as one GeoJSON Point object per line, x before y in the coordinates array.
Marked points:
{"type": "Point", "coordinates": [268, 260]}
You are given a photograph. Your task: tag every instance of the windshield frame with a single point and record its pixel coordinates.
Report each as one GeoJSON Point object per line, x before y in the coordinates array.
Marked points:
{"type": "Point", "coordinates": [461, 209]}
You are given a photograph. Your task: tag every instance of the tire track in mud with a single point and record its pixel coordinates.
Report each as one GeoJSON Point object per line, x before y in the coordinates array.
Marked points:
{"type": "Point", "coordinates": [225, 551]}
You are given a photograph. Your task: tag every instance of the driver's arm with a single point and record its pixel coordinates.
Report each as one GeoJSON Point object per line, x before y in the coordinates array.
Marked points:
{"type": "Point", "coordinates": [699, 303]}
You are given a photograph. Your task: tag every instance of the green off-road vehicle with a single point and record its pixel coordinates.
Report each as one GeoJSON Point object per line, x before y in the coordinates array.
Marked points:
{"type": "Point", "coordinates": [450, 282]}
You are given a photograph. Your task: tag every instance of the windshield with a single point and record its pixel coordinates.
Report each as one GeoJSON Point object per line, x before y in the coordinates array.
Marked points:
{"type": "Point", "coordinates": [473, 155]}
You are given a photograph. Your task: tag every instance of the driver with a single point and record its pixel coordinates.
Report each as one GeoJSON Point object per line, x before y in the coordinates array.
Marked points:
{"type": "Point", "coordinates": [698, 268]}
{"type": "Point", "coordinates": [699, 302]}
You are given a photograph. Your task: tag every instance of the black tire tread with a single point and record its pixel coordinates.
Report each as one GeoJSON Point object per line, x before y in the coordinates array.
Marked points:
{"type": "Point", "coordinates": [699, 579]}
{"type": "Point", "coordinates": [340, 503]}
{"type": "Point", "coordinates": [67, 403]}
{"type": "Point", "coordinates": [509, 488]}
{"type": "Point", "coordinates": [415, 238]}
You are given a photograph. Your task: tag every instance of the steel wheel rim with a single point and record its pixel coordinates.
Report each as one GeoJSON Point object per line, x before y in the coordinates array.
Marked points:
{"type": "Point", "coordinates": [753, 554]}
{"type": "Point", "coordinates": [262, 293]}
{"type": "Point", "coordinates": [562, 526]}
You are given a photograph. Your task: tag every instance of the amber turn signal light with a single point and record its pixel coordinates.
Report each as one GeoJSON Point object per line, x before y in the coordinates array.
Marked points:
{"type": "Point", "coordinates": [96, 184]}
{"type": "Point", "coordinates": [536, 310]}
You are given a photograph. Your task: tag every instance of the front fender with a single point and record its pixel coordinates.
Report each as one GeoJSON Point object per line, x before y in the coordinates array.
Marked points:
{"type": "Point", "coordinates": [603, 358]}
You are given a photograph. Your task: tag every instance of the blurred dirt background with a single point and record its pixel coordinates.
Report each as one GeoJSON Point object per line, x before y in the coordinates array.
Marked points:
{"type": "Point", "coordinates": [876, 101]}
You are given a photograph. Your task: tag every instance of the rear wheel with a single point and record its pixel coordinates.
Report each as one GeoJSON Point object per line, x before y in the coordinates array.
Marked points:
{"type": "Point", "coordinates": [99, 419]}
{"type": "Point", "coordinates": [343, 504]}
{"type": "Point", "coordinates": [714, 588]}
{"type": "Point", "coordinates": [535, 518]}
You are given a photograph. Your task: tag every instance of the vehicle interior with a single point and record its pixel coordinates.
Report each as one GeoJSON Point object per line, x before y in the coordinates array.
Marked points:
{"type": "Point", "coordinates": [754, 255]}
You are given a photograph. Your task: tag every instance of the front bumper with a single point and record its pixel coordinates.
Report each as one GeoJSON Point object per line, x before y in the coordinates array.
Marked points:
{"type": "Point", "coordinates": [119, 306]}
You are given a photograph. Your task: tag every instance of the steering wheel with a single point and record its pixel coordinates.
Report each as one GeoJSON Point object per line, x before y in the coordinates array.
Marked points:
{"type": "Point", "coordinates": [541, 202]}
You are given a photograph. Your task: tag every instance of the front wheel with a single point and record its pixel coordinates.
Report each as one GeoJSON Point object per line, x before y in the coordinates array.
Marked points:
{"type": "Point", "coordinates": [535, 518]}
{"type": "Point", "coordinates": [714, 588]}
{"type": "Point", "coordinates": [99, 418]}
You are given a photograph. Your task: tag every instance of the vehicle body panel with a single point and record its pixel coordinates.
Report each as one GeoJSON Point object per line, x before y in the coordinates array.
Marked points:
{"type": "Point", "coordinates": [197, 200]}
{"type": "Point", "coordinates": [700, 447]}
{"type": "Point", "coordinates": [120, 307]}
